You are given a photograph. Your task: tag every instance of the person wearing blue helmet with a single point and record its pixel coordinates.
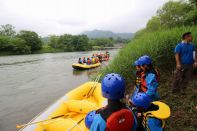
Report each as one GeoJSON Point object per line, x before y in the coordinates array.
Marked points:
{"type": "Point", "coordinates": [149, 77]}
{"type": "Point", "coordinates": [149, 121]}
{"type": "Point", "coordinates": [115, 116]}
{"type": "Point", "coordinates": [89, 118]}
{"type": "Point", "coordinates": [138, 74]}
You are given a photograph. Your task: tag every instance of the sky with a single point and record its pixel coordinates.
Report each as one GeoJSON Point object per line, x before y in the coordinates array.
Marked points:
{"type": "Point", "coordinates": [75, 16]}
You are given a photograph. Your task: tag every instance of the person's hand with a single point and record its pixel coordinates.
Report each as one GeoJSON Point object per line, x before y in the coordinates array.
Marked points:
{"type": "Point", "coordinates": [178, 66]}
{"type": "Point", "coordinates": [195, 64]}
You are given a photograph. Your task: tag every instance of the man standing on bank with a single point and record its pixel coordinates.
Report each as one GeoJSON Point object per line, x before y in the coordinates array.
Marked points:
{"type": "Point", "coordinates": [186, 60]}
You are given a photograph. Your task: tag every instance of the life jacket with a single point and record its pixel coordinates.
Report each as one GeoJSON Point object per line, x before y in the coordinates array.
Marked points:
{"type": "Point", "coordinates": [162, 113]}
{"type": "Point", "coordinates": [122, 119]}
{"type": "Point", "coordinates": [93, 60]}
{"type": "Point", "coordinates": [143, 86]}
{"type": "Point", "coordinates": [138, 78]}
{"type": "Point", "coordinates": [89, 62]}
{"type": "Point", "coordinates": [96, 60]}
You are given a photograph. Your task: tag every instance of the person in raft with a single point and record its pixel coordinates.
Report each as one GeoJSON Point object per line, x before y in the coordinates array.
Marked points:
{"type": "Point", "coordinates": [149, 78]}
{"type": "Point", "coordinates": [80, 61]}
{"type": "Point", "coordinates": [84, 60]}
{"type": "Point", "coordinates": [88, 61]}
{"type": "Point", "coordinates": [115, 116]}
{"type": "Point", "coordinates": [185, 56]}
{"type": "Point", "coordinates": [151, 115]}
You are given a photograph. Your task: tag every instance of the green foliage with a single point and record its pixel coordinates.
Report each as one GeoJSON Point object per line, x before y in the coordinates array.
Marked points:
{"type": "Point", "coordinates": [19, 46]}
{"type": "Point", "coordinates": [15, 45]}
{"type": "Point", "coordinates": [159, 45]}
{"type": "Point", "coordinates": [53, 41]}
{"type": "Point", "coordinates": [121, 40]}
{"type": "Point", "coordinates": [105, 42]}
{"type": "Point", "coordinates": [172, 14]}
{"type": "Point", "coordinates": [153, 24]}
{"type": "Point", "coordinates": [31, 38]}
{"type": "Point", "coordinates": [7, 30]}
{"type": "Point", "coordinates": [80, 42]}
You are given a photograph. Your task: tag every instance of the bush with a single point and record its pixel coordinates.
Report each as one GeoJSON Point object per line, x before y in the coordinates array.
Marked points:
{"type": "Point", "coordinates": [19, 46]}
{"type": "Point", "coordinates": [159, 45]}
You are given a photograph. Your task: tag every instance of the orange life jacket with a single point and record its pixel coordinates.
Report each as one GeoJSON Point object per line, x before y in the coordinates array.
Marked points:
{"type": "Point", "coordinates": [89, 61]}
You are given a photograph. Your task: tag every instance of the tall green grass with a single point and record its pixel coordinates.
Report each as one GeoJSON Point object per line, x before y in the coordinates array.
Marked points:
{"type": "Point", "coordinates": [159, 45]}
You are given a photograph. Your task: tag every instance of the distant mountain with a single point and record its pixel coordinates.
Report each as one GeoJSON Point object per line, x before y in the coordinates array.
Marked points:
{"type": "Point", "coordinates": [107, 34]}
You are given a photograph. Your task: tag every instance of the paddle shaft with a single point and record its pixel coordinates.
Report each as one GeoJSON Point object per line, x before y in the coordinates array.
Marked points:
{"type": "Point", "coordinates": [94, 85]}
{"type": "Point", "coordinates": [23, 125]}
{"type": "Point", "coordinates": [76, 124]}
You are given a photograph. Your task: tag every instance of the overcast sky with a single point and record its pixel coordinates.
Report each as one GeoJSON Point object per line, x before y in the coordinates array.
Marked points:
{"type": "Point", "coordinates": [74, 16]}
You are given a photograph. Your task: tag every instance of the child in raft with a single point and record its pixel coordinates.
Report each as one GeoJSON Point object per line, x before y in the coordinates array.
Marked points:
{"type": "Point", "coordinates": [115, 116]}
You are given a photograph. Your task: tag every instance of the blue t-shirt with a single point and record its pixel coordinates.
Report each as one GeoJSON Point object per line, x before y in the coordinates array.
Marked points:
{"type": "Point", "coordinates": [185, 50]}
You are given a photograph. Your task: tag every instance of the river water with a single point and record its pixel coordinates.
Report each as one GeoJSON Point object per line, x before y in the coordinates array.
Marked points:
{"type": "Point", "coordinates": [30, 83]}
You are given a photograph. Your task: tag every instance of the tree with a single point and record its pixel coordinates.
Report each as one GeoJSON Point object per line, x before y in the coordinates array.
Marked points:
{"type": "Point", "coordinates": [7, 30]}
{"type": "Point", "coordinates": [5, 43]}
{"type": "Point", "coordinates": [153, 24]}
{"type": "Point", "coordinates": [19, 46]}
{"type": "Point", "coordinates": [104, 42]}
{"type": "Point", "coordinates": [53, 41]}
{"type": "Point", "coordinates": [31, 38]}
{"type": "Point", "coordinates": [172, 14]}
{"type": "Point", "coordinates": [80, 42]}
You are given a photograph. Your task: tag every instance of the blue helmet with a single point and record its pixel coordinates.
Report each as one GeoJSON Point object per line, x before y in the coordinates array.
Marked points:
{"type": "Point", "coordinates": [141, 100]}
{"type": "Point", "coordinates": [113, 86]}
{"type": "Point", "coordinates": [145, 60]}
{"type": "Point", "coordinates": [89, 118]}
{"type": "Point", "coordinates": [137, 63]}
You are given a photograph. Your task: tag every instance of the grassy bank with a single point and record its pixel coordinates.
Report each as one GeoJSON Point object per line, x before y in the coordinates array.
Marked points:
{"type": "Point", "coordinates": [160, 45]}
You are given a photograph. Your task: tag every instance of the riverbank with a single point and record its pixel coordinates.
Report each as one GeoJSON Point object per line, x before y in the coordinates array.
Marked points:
{"type": "Point", "coordinates": [160, 45]}
{"type": "Point", "coordinates": [49, 49]}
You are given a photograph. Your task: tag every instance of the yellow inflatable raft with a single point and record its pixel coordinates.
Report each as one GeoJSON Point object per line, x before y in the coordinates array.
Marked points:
{"type": "Point", "coordinates": [85, 66]}
{"type": "Point", "coordinates": [71, 110]}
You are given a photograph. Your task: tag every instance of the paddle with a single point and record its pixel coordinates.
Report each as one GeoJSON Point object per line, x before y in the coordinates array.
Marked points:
{"type": "Point", "coordinates": [94, 85]}
{"type": "Point", "coordinates": [23, 125]}
{"type": "Point", "coordinates": [76, 124]}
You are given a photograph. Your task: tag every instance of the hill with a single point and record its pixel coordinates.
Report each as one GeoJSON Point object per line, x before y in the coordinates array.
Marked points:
{"type": "Point", "coordinates": [107, 34]}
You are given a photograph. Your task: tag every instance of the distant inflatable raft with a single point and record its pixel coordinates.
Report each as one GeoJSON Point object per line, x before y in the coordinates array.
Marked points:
{"type": "Point", "coordinates": [72, 108]}
{"type": "Point", "coordinates": [85, 66]}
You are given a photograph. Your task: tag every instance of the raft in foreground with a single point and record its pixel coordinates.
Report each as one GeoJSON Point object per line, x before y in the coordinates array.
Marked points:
{"type": "Point", "coordinates": [73, 106]}
{"type": "Point", "coordinates": [85, 66]}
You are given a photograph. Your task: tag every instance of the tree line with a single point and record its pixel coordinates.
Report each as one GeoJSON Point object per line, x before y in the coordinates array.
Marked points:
{"type": "Point", "coordinates": [27, 42]}
{"type": "Point", "coordinates": [172, 14]}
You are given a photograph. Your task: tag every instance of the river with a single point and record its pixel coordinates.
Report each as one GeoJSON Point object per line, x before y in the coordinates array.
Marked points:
{"type": "Point", "coordinates": [30, 83]}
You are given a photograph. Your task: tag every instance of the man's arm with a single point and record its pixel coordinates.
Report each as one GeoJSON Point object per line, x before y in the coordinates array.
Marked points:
{"type": "Point", "coordinates": [195, 59]}
{"type": "Point", "coordinates": [178, 63]}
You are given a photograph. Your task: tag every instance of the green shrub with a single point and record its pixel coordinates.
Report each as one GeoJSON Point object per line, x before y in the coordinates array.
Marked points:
{"type": "Point", "coordinates": [159, 45]}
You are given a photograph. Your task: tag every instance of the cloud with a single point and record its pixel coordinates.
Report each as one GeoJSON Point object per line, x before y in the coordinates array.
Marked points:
{"type": "Point", "coordinates": [74, 16]}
